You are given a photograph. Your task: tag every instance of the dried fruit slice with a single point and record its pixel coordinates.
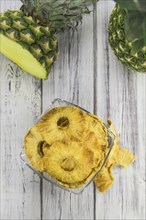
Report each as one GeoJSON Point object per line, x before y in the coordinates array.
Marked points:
{"type": "Point", "coordinates": [95, 125]}
{"type": "Point", "coordinates": [67, 162]}
{"type": "Point", "coordinates": [62, 123]}
{"type": "Point", "coordinates": [125, 158]}
{"type": "Point", "coordinates": [118, 156]}
{"type": "Point", "coordinates": [33, 145]}
{"type": "Point", "coordinates": [91, 145]}
{"type": "Point", "coordinates": [105, 179]}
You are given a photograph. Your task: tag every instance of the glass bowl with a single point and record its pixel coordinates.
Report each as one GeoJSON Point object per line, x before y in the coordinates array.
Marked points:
{"type": "Point", "coordinates": [111, 137]}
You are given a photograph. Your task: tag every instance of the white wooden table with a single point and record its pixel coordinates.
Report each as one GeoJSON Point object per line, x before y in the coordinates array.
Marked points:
{"type": "Point", "coordinates": [87, 73]}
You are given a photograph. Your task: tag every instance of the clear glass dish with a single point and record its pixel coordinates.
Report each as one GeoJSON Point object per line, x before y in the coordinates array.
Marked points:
{"type": "Point", "coordinates": [111, 137]}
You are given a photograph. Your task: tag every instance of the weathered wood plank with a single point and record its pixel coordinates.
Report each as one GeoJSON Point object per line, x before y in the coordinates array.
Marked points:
{"type": "Point", "coordinates": [20, 104]}
{"type": "Point", "coordinates": [109, 90]}
{"type": "Point", "coordinates": [118, 94]}
{"type": "Point", "coordinates": [72, 79]}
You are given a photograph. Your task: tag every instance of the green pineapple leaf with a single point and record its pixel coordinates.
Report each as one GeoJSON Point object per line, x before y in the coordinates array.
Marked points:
{"type": "Point", "coordinates": [94, 1]}
{"type": "Point", "coordinates": [132, 5]}
{"type": "Point", "coordinates": [135, 22]}
{"type": "Point", "coordinates": [135, 29]}
{"type": "Point", "coordinates": [58, 14]}
{"type": "Point", "coordinates": [135, 25]}
{"type": "Point", "coordinates": [137, 46]}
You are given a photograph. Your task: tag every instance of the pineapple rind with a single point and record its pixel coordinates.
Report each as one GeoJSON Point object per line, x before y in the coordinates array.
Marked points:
{"type": "Point", "coordinates": [121, 46]}
{"type": "Point", "coordinates": [35, 38]}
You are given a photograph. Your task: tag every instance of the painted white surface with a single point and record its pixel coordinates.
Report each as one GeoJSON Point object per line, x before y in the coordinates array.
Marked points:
{"type": "Point", "coordinates": [86, 73]}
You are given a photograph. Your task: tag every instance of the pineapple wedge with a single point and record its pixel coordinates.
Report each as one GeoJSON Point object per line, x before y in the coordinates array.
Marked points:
{"type": "Point", "coordinates": [28, 35]}
{"type": "Point", "coordinates": [27, 43]}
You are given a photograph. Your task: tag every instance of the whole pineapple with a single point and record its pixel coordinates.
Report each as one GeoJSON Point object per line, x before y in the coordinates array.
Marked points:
{"type": "Point", "coordinates": [127, 33]}
{"type": "Point", "coordinates": [28, 35]}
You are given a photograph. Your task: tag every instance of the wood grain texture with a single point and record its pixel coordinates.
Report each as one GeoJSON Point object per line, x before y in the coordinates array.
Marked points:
{"type": "Point", "coordinates": [72, 80]}
{"type": "Point", "coordinates": [86, 73]}
{"type": "Point", "coordinates": [20, 104]}
{"type": "Point", "coordinates": [118, 93]}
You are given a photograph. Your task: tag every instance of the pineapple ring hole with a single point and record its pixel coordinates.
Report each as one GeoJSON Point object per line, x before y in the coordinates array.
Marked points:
{"type": "Point", "coordinates": [42, 146]}
{"type": "Point", "coordinates": [63, 122]}
{"type": "Point", "coordinates": [68, 164]}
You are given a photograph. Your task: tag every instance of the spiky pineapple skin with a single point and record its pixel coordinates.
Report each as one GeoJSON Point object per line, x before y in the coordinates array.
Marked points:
{"type": "Point", "coordinates": [121, 46]}
{"type": "Point", "coordinates": [31, 35]}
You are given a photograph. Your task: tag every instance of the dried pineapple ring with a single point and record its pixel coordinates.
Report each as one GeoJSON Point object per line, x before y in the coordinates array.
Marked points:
{"type": "Point", "coordinates": [93, 152]}
{"type": "Point", "coordinates": [33, 145]}
{"type": "Point", "coordinates": [67, 162]}
{"type": "Point", "coordinates": [62, 123]}
{"type": "Point", "coordinates": [94, 124]}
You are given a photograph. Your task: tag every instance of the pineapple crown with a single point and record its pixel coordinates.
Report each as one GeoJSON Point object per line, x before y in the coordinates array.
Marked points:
{"type": "Point", "coordinates": [135, 22]}
{"type": "Point", "coordinates": [57, 14]}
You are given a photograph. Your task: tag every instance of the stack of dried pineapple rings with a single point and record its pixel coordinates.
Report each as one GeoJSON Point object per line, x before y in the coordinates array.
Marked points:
{"type": "Point", "coordinates": [71, 146]}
